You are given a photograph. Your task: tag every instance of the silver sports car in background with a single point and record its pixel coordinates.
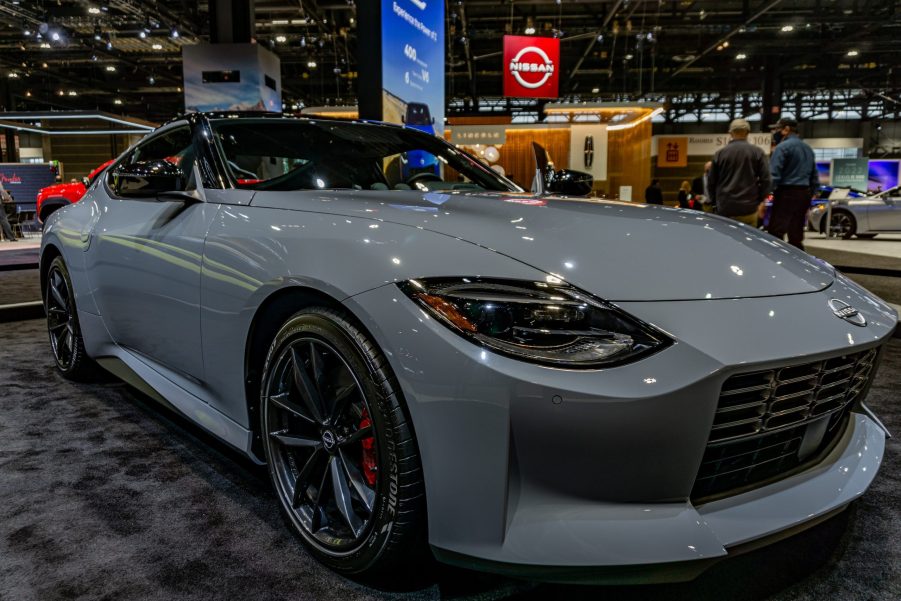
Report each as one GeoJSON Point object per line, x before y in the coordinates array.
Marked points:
{"type": "Point", "coordinates": [864, 217]}
{"type": "Point", "coordinates": [437, 360]}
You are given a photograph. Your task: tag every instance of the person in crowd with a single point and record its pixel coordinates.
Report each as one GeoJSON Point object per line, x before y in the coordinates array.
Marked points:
{"type": "Point", "coordinates": [739, 177]}
{"type": "Point", "coordinates": [6, 200]}
{"type": "Point", "coordinates": [684, 194]}
{"type": "Point", "coordinates": [795, 180]}
{"type": "Point", "coordinates": [653, 195]}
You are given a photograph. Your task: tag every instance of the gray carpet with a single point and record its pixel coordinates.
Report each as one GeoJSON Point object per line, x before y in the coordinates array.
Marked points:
{"type": "Point", "coordinates": [20, 286]}
{"type": "Point", "coordinates": [106, 495]}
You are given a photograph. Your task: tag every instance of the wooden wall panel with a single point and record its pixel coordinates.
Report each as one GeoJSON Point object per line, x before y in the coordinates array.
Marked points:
{"type": "Point", "coordinates": [516, 154]}
{"type": "Point", "coordinates": [81, 154]}
{"type": "Point", "coordinates": [627, 160]}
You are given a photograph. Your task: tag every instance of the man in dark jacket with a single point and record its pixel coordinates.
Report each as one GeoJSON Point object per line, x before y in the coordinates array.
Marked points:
{"type": "Point", "coordinates": [739, 177]}
{"type": "Point", "coordinates": [795, 179]}
{"type": "Point", "coordinates": [653, 195]}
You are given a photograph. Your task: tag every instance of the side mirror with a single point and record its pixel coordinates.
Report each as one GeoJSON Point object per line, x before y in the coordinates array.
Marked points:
{"type": "Point", "coordinates": [571, 183]}
{"type": "Point", "coordinates": [86, 182]}
{"type": "Point", "coordinates": [148, 178]}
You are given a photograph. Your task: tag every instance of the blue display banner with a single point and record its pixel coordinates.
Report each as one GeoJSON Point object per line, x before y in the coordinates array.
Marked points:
{"type": "Point", "coordinates": [413, 63]}
{"type": "Point", "coordinates": [24, 180]}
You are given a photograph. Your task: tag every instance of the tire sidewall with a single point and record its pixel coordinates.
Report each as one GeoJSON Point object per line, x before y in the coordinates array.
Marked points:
{"type": "Point", "coordinates": [328, 326]}
{"type": "Point", "coordinates": [79, 356]}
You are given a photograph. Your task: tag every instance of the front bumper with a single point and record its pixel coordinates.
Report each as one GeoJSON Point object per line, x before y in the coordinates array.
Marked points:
{"type": "Point", "coordinates": [544, 471]}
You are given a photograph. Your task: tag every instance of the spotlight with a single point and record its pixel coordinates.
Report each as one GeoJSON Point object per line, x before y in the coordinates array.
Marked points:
{"type": "Point", "coordinates": [45, 45]}
{"type": "Point", "coordinates": [54, 35]}
{"type": "Point", "coordinates": [853, 52]}
{"type": "Point", "coordinates": [787, 28]}
{"type": "Point", "coordinates": [281, 39]}
{"type": "Point", "coordinates": [111, 68]}
{"type": "Point", "coordinates": [13, 75]}
{"type": "Point", "coordinates": [117, 101]}
{"type": "Point", "coordinates": [73, 93]}
{"type": "Point", "coordinates": [94, 58]}
{"type": "Point", "coordinates": [151, 80]}
{"type": "Point", "coordinates": [27, 32]}
{"type": "Point", "coordinates": [529, 31]}
{"type": "Point", "coordinates": [174, 34]}
{"type": "Point", "coordinates": [94, 10]}
{"type": "Point", "coordinates": [741, 56]}
{"type": "Point", "coordinates": [157, 46]}
{"type": "Point", "coordinates": [600, 38]}
{"type": "Point", "coordinates": [303, 41]}
{"type": "Point", "coordinates": [311, 64]}
{"type": "Point", "coordinates": [142, 34]}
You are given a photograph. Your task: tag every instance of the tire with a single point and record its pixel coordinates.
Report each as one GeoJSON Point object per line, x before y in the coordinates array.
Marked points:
{"type": "Point", "coordinates": [867, 236]}
{"type": "Point", "coordinates": [323, 425]}
{"type": "Point", "coordinates": [66, 341]}
{"type": "Point", "coordinates": [844, 224]}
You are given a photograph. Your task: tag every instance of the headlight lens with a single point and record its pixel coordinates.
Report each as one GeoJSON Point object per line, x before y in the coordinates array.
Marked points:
{"type": "Point", "coordinates": [551, 324]}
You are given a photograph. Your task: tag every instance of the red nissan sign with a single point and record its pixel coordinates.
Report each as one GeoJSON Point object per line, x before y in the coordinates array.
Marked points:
{"type": "Point", "coordinates": [531, 66]}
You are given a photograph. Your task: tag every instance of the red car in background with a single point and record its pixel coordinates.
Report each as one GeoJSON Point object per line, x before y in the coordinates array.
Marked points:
{"type": "Point", "coordinates": [56, 196]}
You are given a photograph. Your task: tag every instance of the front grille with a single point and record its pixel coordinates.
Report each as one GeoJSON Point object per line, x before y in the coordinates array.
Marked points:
{"type": "Point", "coordinates": [769, 422]}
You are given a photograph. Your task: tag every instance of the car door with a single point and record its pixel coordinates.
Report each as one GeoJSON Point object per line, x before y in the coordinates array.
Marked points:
{"type": "Point", "coordinates": [144, 260]}
{"type": "Point", "coordinates": [885, 215]}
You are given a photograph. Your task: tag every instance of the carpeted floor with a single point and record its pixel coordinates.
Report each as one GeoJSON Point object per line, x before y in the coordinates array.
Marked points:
{"type": "Point", "coordinates": [19, 286]}
{"type": "Point", "coordinates": [106, 495]}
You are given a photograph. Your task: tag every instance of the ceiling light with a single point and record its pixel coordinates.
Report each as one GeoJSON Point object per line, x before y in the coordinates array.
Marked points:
{"type": "Point", "coordinates": [628, 57]}
{"type": "Point", "coordinates": [151, 80]}
{"type": "Point", "coordinates": [530, 30]}
{"type": "Point", "coordinates": [174, 33]}
{"type": "Point", "coordinates": [94, 10]}
{"type": "Point", "coordinates": [55, 36]}
{"type": "Point", "coordinates": [109, 44]}
{"type": "Point", "coordinates": [281, 39]}
{"type": "Point", "coordinates": [45, 45]}
{"type": "Point", "coordinates": [111, 68]}
{"type": "Point", "coordinates": [351, 20]}
{"type": "Point", "coordinates": [27, 32]}
{"type": "Point", "coordinates": [117, 101]}
{"type": "Point", "coordinates": [157, 46]}
{"type": "Point", "coordinates": [44, 65]}
{"type": "Point", "coordinates": [13, 75]}
{"type": "Point", "coordinates": [595, 90]}
{"type": "Point", "coordinates": [142, 34]}
{"type": "Point", "coordinates": [741, 56]}
{"type": "Point", "coordinates": [311, 64]}
{"type": "Point", "coordinates": [28, 94]}
{"type": "Point", "coordinates": [726, 44]}
{"type": "Point", "coordinates": [61, 93]}
{"type": "Point", "coordinates": [787, 28]}
{"type": "Point", "coordinates": [73, 93]}
{"type": "Point", "coordinates": [853, 52]}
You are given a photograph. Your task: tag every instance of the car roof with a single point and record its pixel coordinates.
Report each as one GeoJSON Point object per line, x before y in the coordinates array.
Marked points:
{"type": "Point", "coordinates": [193, 117]}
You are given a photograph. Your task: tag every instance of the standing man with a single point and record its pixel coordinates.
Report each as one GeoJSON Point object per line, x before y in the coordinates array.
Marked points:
{"type": "Point", "coordinates": [653, 195]}
{"type": "Point", "coordinates": [795, 179]}
{"type": "Point", "coordinates": [739, 177]}
{"type": "Point", "coordinates": [5, 200]}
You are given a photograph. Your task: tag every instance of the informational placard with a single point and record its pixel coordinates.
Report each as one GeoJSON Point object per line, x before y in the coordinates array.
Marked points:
{"type": "Point", "coordinates": [850, 173]}
{"type": "Point", "coordinates": [413, 63]}
{"type": "Point", "coordinates": [531, 67]}
{"type": "Point", "coordinates": [705, 145]}
{"type": "Point", "coordinates": [625, 193]}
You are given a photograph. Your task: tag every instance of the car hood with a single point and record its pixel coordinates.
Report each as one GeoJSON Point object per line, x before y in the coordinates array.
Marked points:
{"type": "Point", "coordinates": [618, 251]}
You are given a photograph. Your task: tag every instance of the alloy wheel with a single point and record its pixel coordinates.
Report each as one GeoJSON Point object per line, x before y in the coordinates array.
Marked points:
{"type": "Point", "coordinates": [841, 224]}
{"type": "Point", "coordinates": [61, 319]}
{"type": "Point", "coordinates": [322, 445]}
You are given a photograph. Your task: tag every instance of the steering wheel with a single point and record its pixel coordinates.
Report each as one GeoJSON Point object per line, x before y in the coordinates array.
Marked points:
{"type": "Point", "coordinates": [425, 176]}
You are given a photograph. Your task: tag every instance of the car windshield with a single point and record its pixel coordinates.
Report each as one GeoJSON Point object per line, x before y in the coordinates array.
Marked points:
{"type": "Point", "coordinates": [267, 154]}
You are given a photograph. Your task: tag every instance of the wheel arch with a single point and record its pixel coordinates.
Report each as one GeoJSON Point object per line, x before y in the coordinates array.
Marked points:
{"type": "Point", "coordinates": [50, 252]}
{"type": "Point", "coordinates": [50, 205]}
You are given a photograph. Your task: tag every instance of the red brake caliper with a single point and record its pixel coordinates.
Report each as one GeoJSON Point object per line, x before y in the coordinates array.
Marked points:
{"type": "Point", "coordinates": [370, 466]}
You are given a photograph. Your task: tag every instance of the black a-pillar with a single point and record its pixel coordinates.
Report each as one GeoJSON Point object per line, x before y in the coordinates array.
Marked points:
{"type": "Point", "coordinates": [771, 108]}
{"type": "Point", "coordinates": [231, 21]}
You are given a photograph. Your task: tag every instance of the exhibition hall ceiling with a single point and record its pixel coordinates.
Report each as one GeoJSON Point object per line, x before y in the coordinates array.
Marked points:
{"type": "Point", "coordinates": [124, 56]}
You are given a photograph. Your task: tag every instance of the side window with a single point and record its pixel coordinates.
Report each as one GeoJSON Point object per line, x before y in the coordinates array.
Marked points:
{"type": "Point", "coordinates": [175, 147]}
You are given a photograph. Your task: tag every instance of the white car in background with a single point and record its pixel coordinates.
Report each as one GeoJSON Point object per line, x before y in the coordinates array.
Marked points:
{"type": "Point", "coordinates": [864, 217]}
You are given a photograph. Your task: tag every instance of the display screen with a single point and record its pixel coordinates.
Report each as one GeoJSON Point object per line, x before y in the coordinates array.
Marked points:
{"type": "Point", "coordinates": [882, 175]}
{"type": "Point", "coordinates": [413, 64]}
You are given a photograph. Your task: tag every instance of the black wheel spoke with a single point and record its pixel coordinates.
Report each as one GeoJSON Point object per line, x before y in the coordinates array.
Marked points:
{"type": "Point", "coordinates": [59, 326]}
{"type": "Point", "coordinates": [54, 290]}
{"type": "Point", "coordinates": [305, 386]}
{"type": "Point", "coordinates": [342, 397]}
{"type": "Point", "coordinates": [284, 401]}
{"type": "Point", "coordinates": [366, 494]}
{"type": "Point", "coordinates": [356, 437]}
{"type": "Point", "coordinates": [317, 501]}
{"type": "Point", "coordinates": [342, 495]}
{"type": "Point", "coordinates": [303, 478]}
{"type": "Point", "coordinates": [317, 366]}
{"type": "Point", "coordinates": [292, 440]}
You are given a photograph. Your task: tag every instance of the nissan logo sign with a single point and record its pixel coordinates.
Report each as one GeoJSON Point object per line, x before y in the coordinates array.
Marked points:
{"type": "Point", "coordinates": [525, 62]}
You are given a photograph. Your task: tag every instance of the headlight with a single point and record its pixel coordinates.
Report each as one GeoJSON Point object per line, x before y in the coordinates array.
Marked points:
{"type": "Point", "coordinates": [551, 324]}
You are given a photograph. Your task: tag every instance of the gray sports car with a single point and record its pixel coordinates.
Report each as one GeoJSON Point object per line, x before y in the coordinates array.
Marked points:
{"type": "Point", "coordinates": [864, 217]}
{"type": "Point", "coordinates": [522, 383]}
